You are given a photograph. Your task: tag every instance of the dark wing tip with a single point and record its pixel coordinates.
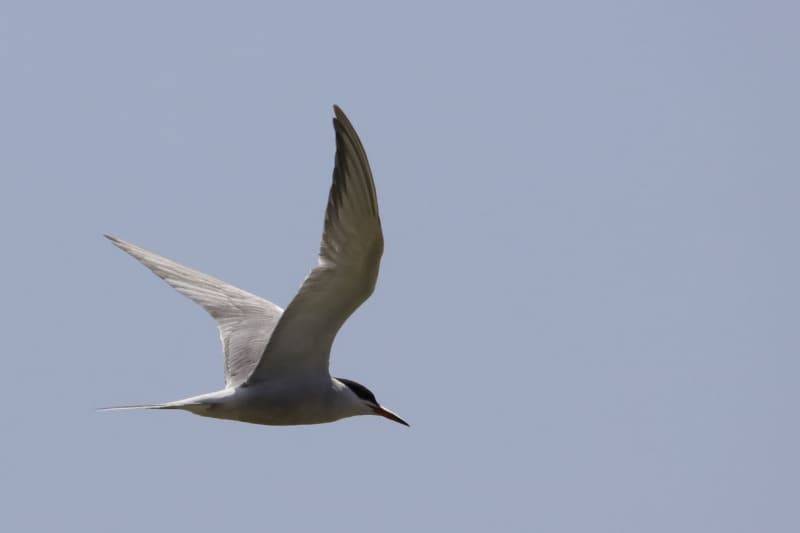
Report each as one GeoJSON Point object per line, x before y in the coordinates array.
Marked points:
{"type": "Point", "coordinates": [340, 117]}
{"type": "Point", "coordinates": [349, 146]}
{"type": "Point", "coordinates": [119, 243]}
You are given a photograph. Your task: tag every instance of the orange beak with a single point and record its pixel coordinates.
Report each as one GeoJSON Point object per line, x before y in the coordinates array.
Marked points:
{"type": "Point", "coordinates": [382, 411]}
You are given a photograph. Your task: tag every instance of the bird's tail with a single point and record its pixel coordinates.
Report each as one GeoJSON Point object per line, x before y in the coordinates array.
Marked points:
{"type": "Point", "coordinates": [137, 407]}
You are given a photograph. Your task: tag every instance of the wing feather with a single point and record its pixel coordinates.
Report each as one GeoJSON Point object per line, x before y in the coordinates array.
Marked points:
{"type": "Point", "coordinates": [347, 270]}
{"type": "Point", "coordinates": [245, 321]}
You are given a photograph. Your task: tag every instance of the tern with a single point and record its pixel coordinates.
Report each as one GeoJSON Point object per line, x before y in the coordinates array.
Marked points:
{"type": "Point", "coordinates": [277, 361]}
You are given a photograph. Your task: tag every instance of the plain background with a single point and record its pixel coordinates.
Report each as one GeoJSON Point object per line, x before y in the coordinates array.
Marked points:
{"type": "Point", "coordinates": [588, 306]}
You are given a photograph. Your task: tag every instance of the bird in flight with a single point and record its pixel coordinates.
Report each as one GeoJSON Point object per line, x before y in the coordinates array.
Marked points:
{"type": "Point", "coordinates": [276, 360]}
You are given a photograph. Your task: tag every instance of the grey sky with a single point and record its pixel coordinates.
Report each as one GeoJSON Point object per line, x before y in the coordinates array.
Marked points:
{"type": "Point", "coordinates": [588, 304]}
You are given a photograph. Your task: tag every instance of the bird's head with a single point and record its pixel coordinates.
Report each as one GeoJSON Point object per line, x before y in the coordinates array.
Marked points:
{"type": "Point", "coordinates": [369, 402]}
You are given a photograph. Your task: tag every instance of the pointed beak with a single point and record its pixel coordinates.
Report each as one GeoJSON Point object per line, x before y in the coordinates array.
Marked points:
{"type": "Point", "coordinates": [382, 411]}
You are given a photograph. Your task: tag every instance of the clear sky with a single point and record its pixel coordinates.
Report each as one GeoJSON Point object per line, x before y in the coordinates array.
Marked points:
{"type": "Point", "coordinates": [588, 305]}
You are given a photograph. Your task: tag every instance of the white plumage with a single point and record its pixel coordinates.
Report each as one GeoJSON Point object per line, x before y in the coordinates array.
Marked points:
{"type": "Point", "coordinates": [276, 361]}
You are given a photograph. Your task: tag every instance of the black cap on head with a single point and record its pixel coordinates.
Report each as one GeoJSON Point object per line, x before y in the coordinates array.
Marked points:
{"type": "Point", "coordinates": [359, 390]}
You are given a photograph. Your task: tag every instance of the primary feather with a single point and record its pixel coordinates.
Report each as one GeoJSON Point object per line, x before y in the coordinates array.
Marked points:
{"type": "Point", "coordinates": [245, 321]}
{"type": "Point", "coordinates": [347, 269]}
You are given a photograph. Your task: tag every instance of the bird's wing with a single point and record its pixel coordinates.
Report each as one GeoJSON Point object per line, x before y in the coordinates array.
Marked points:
{"type": "Point", "coordinates": [245, 321]}
{"type": "Point", "coordinates": [349, 258]}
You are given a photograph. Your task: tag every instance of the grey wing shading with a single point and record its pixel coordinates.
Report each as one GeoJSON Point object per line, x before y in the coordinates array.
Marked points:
{"type": "Point", "coordinates": [245, 321]}
{"type": "Point", "coordinates": [347, 270]}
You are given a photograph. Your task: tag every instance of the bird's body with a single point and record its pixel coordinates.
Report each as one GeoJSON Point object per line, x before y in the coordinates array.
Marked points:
{"type": "Point", "coordinates": [276, 360]}
{"type": "Point", "coordinates": [285, 403]}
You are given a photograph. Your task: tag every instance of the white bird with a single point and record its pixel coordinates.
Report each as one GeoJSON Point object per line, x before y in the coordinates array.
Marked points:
{"type": "Point", "coordinates": [276, 361]}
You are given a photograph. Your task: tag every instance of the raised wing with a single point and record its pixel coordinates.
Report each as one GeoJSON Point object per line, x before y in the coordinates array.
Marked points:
{"type": "Point", "coordinates": [245, 321]}
{"type": "Point", "coordinates": [349, 259]}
